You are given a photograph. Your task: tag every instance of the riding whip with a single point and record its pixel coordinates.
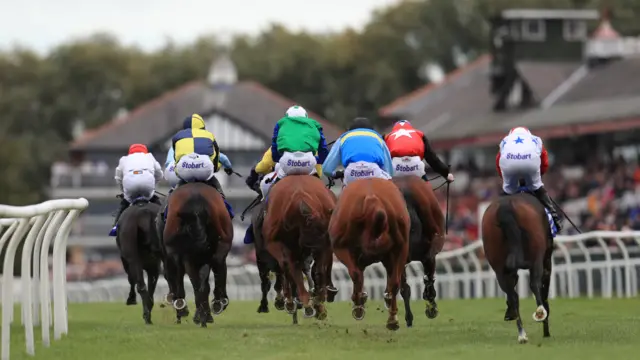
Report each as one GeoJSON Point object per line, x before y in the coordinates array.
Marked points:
{"type": "Point", "coordinates": [446, 222]}
{"type": "Point", "coordinates": [565, 215]}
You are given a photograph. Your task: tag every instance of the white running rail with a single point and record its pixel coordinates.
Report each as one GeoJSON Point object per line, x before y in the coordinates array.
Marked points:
{"type": "Point", "coordinates": [603, 263]}
{"type": "Point", "coordinates": [37, 228]}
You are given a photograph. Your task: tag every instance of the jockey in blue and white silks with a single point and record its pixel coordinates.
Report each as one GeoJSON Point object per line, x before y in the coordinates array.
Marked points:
{"type": "Point", "coordinates": [169, 165]}
{"type": "Point", "coordinates": [362, 152]}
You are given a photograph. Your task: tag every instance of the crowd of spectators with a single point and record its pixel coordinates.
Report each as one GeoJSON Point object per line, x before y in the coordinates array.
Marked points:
{"type": "Point", "coordinates": [596, 196]}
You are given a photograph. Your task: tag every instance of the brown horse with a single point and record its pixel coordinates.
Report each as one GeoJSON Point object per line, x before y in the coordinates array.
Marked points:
{"type": "Point", "coordinates": [516, 235]}
{"type": "Point", "coordinates": [425, 241]}
{"type": "Point", "coordinates": [370, 224]}
{"type": "Point", "coordinates": [295, 227]}
{"type": "Point", "coordinates": [197, 238]}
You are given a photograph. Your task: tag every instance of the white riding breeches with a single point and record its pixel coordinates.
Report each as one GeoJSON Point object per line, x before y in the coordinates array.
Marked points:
{"type": "Point", "coordinates": [363, 170]}
{"type": "Point", "coordinates": [170, 175]}
{"type": "Point", "coordinates": [407, 166]}
{"type": "Point", "coordinates": [266, 183]}
{"type": "Point", "coordinates": [296, 163]}
{"type": "Point", "coordinates": [523, 165]}
{"type": "Point", "coordinates": [194, 167]}
{"type": "Point", "coordinates": [138, 184]}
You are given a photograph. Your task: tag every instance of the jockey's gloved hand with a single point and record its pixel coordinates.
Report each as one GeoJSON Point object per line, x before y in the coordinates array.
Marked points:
{"type": "Point", "coordinates": [338, 174]}
{"type": "Point", "coordinates": [229, 171]}
{"type": "Point", "coordinates": [450, 178]}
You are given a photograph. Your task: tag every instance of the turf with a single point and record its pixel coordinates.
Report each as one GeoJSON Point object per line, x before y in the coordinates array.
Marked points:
{"type": "Point", "coordinates": [466, 329]}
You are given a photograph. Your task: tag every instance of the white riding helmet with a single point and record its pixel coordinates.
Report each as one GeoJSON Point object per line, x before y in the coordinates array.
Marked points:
{"type": "Point", "coordinates": [296, 111]}
{"type": "Point", "coordinates": [519, 130]}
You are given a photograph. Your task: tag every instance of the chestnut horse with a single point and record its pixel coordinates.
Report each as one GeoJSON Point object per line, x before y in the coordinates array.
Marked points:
{"type": "Point", "coordinates": [426, 239]}
{"type": "Point", "coordinates": [516, 235]}
{"type": "Point", "coordinates": [197, 238]}
{"type": "Point", "coordinates": [298, 210]}
{"type": "Point", "coordinates": [370, 224]}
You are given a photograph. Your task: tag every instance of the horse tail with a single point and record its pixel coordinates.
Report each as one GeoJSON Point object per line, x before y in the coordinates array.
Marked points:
{"type": "Point", "coordinates": [194, 220]}
{"type": "Point", "coordinates": [308, 211]}
{"type": "Point", "coordinates": [375, 219]}
{"type": "Point", "coordinates": [512, 235]}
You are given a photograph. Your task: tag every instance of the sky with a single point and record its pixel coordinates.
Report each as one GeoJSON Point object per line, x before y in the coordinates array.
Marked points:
{"type": "Point", "coordinates": [43, 24]}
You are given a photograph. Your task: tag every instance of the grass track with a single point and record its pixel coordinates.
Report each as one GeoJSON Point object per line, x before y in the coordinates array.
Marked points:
{"type": "Point", "coordinates": [465, 329]}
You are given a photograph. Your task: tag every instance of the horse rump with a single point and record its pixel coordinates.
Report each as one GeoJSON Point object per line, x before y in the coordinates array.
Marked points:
{"type": "Point", "coordinates": [513, 236]}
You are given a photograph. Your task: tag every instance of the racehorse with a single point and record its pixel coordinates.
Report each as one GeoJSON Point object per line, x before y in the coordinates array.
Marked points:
{"type": "Point", "coordinates": [426, 239]}
{"type": "Point", "coordinates": [516, 235]}
{"type": "Point", "coordinates": [198, 235]}
{"type": "Point", "coordinates": [298, 210]}
{"type": "Point", "coordinates": [140, 250]}
{"type": "Point", "coordinates": [370, 224]}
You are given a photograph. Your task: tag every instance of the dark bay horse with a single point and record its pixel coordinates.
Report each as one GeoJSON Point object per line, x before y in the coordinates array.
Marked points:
{"type": "Point", "coordinates": [426, 239]}
{"type": "Point", "coordinates": [140, 250]}
{"type": "Point", "coordinates": [298, 211]}
{"type": "Point", "coordinates": [197, 239]}
{"type": "Point", "coordinates": [370, 224]}
{"type": "Point", "coordinates": [516, 235]}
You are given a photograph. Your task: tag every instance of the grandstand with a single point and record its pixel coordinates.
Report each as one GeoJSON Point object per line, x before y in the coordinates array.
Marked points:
{"type": "Point", "coordinates": [580, 95]}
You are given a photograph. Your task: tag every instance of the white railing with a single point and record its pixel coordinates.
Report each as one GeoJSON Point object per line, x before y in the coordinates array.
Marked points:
{"type": "Point", "coordinates": [37, 228]}
{"type": "Point", "coordinates": [608, 267]}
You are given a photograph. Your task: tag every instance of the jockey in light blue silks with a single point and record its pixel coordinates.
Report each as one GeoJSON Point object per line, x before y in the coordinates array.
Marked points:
{"type": "Point", "coordinates": [362, 152]}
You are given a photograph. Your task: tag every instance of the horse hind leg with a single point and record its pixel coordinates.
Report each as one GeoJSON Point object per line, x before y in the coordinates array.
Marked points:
{"type": "Point", "coordinates": [136, 268]}
{"type": "Point", "coordinates": [265, 286]}
{"type": "Point", "coordinates": [429, 294]}
{"type": "Point", "coordinates": [220, 298]}
{"type": "Point", "coordinates": [179, 303]}
{"type": "Point", "coordinates": [405, 291]}
{"type": "Point", "coordinates": [535, 284]}
{"type": "Point", "coordinates": [358, 297]}
{"type": "Point", "coordinates": [278, 287]}
{"type": "Point", "coordinates": [153, 273]}
{"type": "Point", "coordinates": [200, 280]}
{"type": "Point", "coordinates": [507, 282]}
{"type": "Point", "coordinates": [131, 299]}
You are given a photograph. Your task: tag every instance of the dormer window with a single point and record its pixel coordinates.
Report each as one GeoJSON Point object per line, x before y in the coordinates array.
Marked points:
{"type": "Point", "coordinates": [533, 30]}
{"type": "Point", "coordinates": [574, 30]}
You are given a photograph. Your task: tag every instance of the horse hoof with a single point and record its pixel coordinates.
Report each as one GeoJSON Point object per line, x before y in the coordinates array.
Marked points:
{"type": "Point", "coordinates": [393, 326]}
{"type": "Point", "coordinates": [365, 297]}
{"type": "Point", "coordinates": [168, 299]}
{"type": "Point", "coordinates": [179, 304]}
{"type": "Point", "coordinates": [523, 339]}
{"type": "Point", "coordinates": [225, 302]}
{"type": "Point", "coordinates": [358, 312]}
{"type": "Point", "coordinates": [183, 312]}
{"type": "Point", "coordinates": [217, 307]}
{"type": "Point", "coordinates": [132, 302]}
{"type": "Point", "coordinates": [309, 312]}
{"type": "Point", "coordinates": [540, 314]}
{"type": "Point", "coordinates": [279, 304]}
{"type": "Point", "coordinates": [147, 319]}
{"type": "Point", "coordinates": [203, 324]}
{"type": "Point", "coordinates": [209, 318]}
{"type": "Point", "coordinates": [331, 294]}
{"type": "Point", "coordinates": [298, 303]}
{"type": "Point", "coordinates": [291, 307]}
{"type": "Point", "coordinates": [263, 309]}
{"type": "Point", "coordinates": [431, 311]}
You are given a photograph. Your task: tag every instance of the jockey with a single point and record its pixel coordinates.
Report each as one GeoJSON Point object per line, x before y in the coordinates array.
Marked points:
{"type": "Point", "coordinates": [196, 155]}
{"type": "Point", "coordinates": [362, 152]}
{"type": "Point", "coordinates": [298, 147]}
{"type": "Point", "coordinates": [409, 147]}
{"type": "Point", "coordinates": [170, 164]}
{"type": "Point", "coordinates": [522, 156]}
{"type": "Point", "coordinates": [137, 175]}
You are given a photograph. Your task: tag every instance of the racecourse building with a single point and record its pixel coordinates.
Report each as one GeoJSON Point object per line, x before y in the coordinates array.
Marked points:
{"type": "Point", "coordinates": [241, 115]}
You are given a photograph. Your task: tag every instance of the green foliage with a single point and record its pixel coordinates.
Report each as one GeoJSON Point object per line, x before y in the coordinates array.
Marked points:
{"type": "Point", "coordinates": [341, 75]}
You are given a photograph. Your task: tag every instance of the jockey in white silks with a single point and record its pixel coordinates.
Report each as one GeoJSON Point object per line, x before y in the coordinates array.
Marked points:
{"type": "Point", "coordinates": [137, 175]}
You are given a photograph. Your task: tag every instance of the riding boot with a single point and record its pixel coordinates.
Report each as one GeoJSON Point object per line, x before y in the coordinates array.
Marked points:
{"type": "Point", "coordinates": [248, 236]}
{"type": "Point", "coordinates": [544, 198]}
{"type": "Point", "coordinates": [216, 184]}
{"type": "Point", "coordinates": [123, 205]}
{"type": "Point", "coordinates": [425, 178]}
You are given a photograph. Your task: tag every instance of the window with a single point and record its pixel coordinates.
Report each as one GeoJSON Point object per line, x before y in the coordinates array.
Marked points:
{"type": "Point", "coordinates": [533, 30]}
{"type": "Point", "coordinates": [574, 30]}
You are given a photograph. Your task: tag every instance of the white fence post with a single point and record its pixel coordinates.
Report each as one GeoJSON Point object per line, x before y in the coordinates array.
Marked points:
{"type": "Point", "coordinates": [44, 225]}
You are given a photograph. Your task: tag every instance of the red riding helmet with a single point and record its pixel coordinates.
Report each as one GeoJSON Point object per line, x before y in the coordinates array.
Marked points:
{"type": "Point", "coordinates": [138, 148]}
